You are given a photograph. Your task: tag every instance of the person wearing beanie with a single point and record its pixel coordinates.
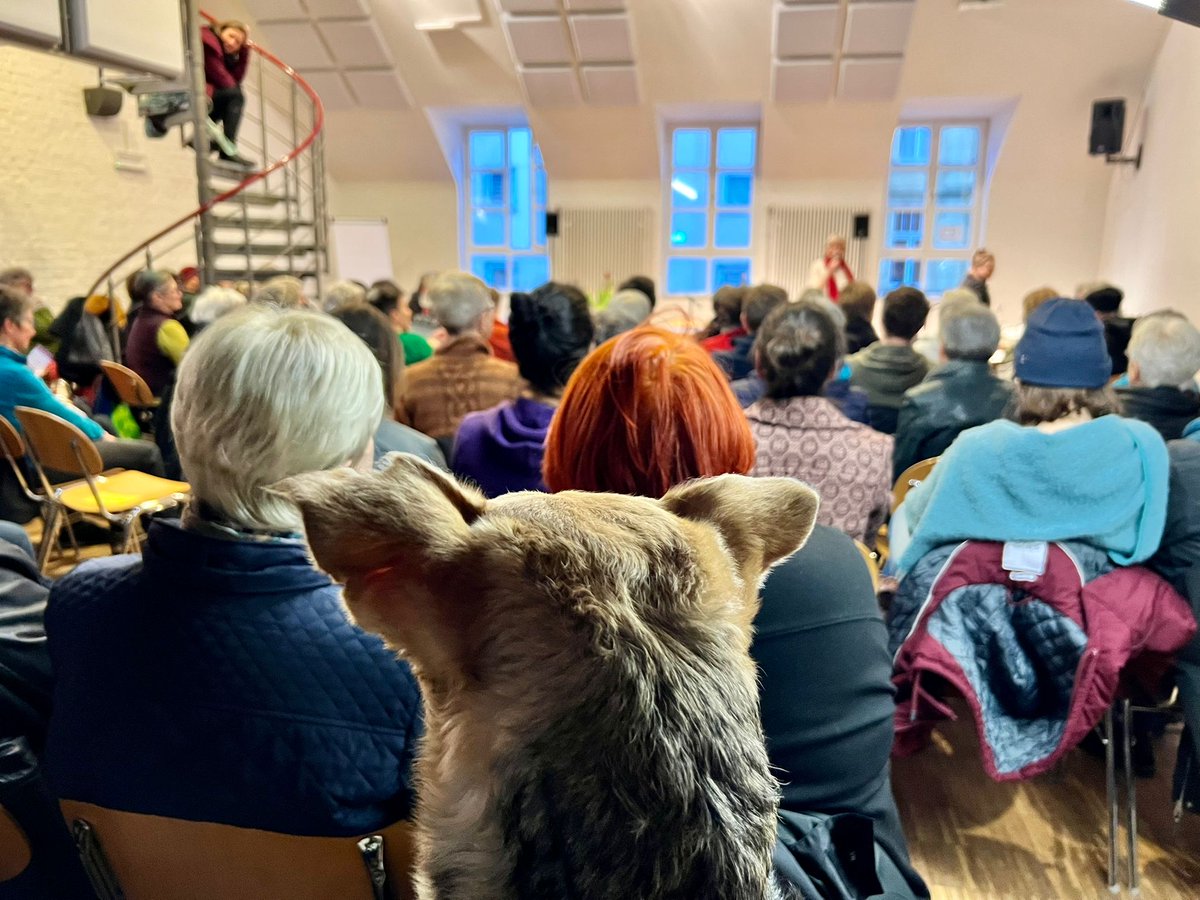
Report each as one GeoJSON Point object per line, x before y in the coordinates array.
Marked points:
{"type": "Point", "coordinates": [1106, 301]}
{"type": "Point", "coordinates": [1068, 468]}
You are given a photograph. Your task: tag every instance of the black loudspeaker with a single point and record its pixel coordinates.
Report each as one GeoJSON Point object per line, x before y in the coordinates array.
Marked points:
{"type": "Point", "coordinates": [862, 226]}
{"type": "Point", "coordinates": [1108, 127]}
{"type": "Point", "coordinates": [551, 224]}
{"type": "Point", "coordinates": [102, 101]}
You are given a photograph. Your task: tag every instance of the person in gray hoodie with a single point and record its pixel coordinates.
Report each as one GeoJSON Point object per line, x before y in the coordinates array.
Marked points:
{"type": "Point", "coordinates": [888, 368]}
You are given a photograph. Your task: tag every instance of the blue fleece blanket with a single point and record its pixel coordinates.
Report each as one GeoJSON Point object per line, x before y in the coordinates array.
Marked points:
{"type": "Point", "coordinates": [1103, 482]}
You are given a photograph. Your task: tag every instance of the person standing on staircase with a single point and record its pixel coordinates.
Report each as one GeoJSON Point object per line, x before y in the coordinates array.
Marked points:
{"type": "Point", "coordinates": [226, 57]}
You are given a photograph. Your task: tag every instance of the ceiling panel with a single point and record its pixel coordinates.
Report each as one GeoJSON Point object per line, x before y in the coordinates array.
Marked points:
{"type": "Point", "coordinates": [551, 86]}
{"type": "Point", "coordinates": [331, 88]}
{"type": "Point", "coordinates": [602, 39]}
{"type": "Point", "coordinates": [378, 88]}
{"type": "Point", "coordinates": [295, 42]}
{"type": "Point", "coordinates": [356, 44]}
{"type": "Point", "coordinates": [338, 9]}
{"type": "Point", "coordinates": [593, 5]}
{"type": "Point", "coordinates": [611, 85]}
{"type": "Point", "coordinates": [266, 10]}
{"type": "Point", "coordinates": [802, 81]}
{"type": "Point", "coordinates": [869, 79]}
{"type": "Point", "coordinates": [810, 30]}
{"type": "Point", "coordinates": [539, 40]}
{"type": "Point", "coordinates": [529, 6]}
{"type": "Point", "coordinates": [876, 29]}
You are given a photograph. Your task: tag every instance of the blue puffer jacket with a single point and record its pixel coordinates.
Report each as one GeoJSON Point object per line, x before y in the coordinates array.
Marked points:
{"type": "Point", "coordinates": [220, 680]}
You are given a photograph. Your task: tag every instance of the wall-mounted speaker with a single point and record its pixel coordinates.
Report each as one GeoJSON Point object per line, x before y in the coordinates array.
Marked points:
{"type": "Point", "coordinates": [551, 224]}
{"type": "Point", "coordinates": [1108, 127]}
{"type": "Point", "coordinates": [102, 101]}
{"type": "Point", "coordinates": [862, 226]}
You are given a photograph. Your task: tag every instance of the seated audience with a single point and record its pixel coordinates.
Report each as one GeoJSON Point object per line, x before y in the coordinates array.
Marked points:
{"type": "Point", "coordinates": [25, 675]}
{"type": "Point", "coordinates": [20, 280]}
{"type": "Point", "coordinates": [888, 368]}
{"type": "Point", "coordinates": [498, 339]}
{"type": "Point", "coordinates": [500, 449]}
{"type": "Point", "coordinates": [738, 361]}
{"type": "Point", "coordinates": [829, 274]}
{"type": "Point", "coordinates": [85, 330]}
{"type": "Point", "coordinates": [1164, 356]}
{"type": "Point", "coordinates": [1034, 299]}
{"type": "Point", "coordinates": [1106, 301]}
{"type": "Point", "coordinates": [376, 332]}
{"type": "Point", "coordinates": [343, 293]}
{"type": "Point", "coordinates": [217, 678]}
{"type": "Point", "coordinates": [959, 394]}
{"type": "Point", "coordinates": [284, 291]}
{"type": "Point", "coordinates": [387, 297]}
{"type": "Point", "coordinates": [214, 302]}
{"type": "Point", "coordinates": [857, 303]}
{"type": "Point", "coordinates": [156, 341]}
{"type": "Point", "coordinates": [643, 283]}
{"type": "Point", "coordinates": [726, 322]}
{"type": "Point", "coordinates": [627, 309]}
{"type": "Point", "coordinates": [1067, 468]}
{"type": "Point", "coordinates": [463, 375]}
{"type": "Point", "coordinates": [801, 434]}
{"type": "Point", "coordinates": [664, 414]}
{"type": "Point", "coordinates": [983, 265]}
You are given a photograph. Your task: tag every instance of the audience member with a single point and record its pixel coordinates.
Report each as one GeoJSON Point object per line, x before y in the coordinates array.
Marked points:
{"type": "Point", "coordinates": [86, 330]}
{"type": "Point", "coordinates": [214, 302]}
{"type": "Point", "coordinates": [1034, 299]}
{"type": "Point", "coordinates": [387, 297]}
{"type": "Point", "coordinates": [498, 339]}
{"type": "Point", "coordinates": [462, 376]}
{"type": "Point", "coordinates": [284, 291]}
{"type": "Point", "coordinates": [374, 330]}
{"type": "Point", "coordinates": [501, 449]}
{"type": "Point", "coordinates": [857, 302]}
{"type": "Point", "coordinates": [726, 322]}
{"type": "Point", "coordinates": [643, 283]}
{"type": "Point", "coordinates": [627, 309]}
{"type": "Point", "coordinates": [801, 434]}
{"type": "Point", "coordinates": [343, 293]}
{"type": "Point", "coordinates": [1067, 468]}
{"type": "Point", "coordinates": [830, 274]}
{"type": "Point", "coordinates": [217, 678]}
{"type": "Point", "coordinates": [983, 264]}
{"type": "Point", "coordinates": [664, 414]}
{"type": "Point", "coordinates": [20, 279]}
{"type": "Point", "coordinates": [1164, 356]}
{"type": "Point", "coordinates": [959, 394]}
{"type": "Point", "coordinates": [888, 368]}
{"type": "Point", "coordinates": [418, 302]}
{"type": "Point", "coordinates": [738, 361]}
{"type": "Point", "coordinates": [1106, 301]}
{"type": "Point", "coordinates": [156, 341]}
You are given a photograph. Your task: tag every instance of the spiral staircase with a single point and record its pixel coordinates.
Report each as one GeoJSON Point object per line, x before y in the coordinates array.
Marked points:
{"type": "Point", "coordinates": [248, 225]}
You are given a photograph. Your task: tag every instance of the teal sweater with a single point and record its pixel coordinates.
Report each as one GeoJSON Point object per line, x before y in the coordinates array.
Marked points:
{"type": "Point", "coordinates": [1103, 482]}
{"type": "Point", "coordinates": [20, 387]}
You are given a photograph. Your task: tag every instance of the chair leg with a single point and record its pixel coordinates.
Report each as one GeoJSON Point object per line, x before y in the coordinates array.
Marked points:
{"type": "Point", "coordinates": [1110, 782]}
{"type": "Point", "coordinates": [1130, 796]}
{"type": "Point", "coordinates": [51, 523]}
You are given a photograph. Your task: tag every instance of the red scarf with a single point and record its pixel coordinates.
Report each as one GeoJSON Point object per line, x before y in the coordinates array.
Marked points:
{"type": "Point", "coordinates": [831, 287]}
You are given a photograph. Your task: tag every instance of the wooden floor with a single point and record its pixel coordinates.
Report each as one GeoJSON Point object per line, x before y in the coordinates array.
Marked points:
{"type": "Point", "coordinates": [974, 839]}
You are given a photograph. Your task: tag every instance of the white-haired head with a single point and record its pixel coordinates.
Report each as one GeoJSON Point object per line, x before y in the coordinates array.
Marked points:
{"type": "Point", "coordinates": [214, 302]}
{"type": "Point", "coordinates": [460, 302]}
{"type": "Point", "coordinates": [264, 393]}
{"type": "Point", "coordinates": [1166, 349]}
{"type": "Point", "coordinates": [343, 293]}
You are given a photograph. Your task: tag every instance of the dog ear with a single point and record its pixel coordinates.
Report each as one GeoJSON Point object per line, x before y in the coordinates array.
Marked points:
{"type": "Point", "coordinates": [762, 520]}
{"type": "Point", "coordinates": [357, 522]}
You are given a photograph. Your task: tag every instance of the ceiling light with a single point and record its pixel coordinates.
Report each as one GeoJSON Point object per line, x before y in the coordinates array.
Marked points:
{"type": "Point", "coordinates": [1153, 4]}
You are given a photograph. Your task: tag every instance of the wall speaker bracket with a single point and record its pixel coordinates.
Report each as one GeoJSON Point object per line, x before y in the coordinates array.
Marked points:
{"type": "Point", "coordinates": [1135, 161]}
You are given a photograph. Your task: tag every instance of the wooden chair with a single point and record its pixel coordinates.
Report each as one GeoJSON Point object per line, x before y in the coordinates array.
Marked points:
{"type": "Point", "coordinates": [15, 852]}
{"type": "Point", "coordinates": [910, 478]}
{"type": "Point", "coordinates": [116, 496]}
{"type": "Point", "coordinates": [134, 392]}
{"type": "Point", "coordinates": [14, 452]}
{"type": "Point", "coordinates": [155, 858]}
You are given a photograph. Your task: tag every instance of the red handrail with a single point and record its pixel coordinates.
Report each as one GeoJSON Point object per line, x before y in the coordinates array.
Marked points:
{"type": "Point", "coordinates": [318, 124]}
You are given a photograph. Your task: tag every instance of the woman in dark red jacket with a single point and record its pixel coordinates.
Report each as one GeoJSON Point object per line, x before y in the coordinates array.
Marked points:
{"type": "Point", "coordinates": [225, 59]}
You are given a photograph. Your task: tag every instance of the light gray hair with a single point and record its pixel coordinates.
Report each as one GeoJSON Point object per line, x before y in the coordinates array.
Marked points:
{"type": "Point", "coordinates": [969, 331]}
{"type": "Point", "coordinates": [344, 293]}
{"type": "Point", "coordinates": [15, 275]}
{"type": "Point", "coordinates": [458, 301]}
{"type": "Point", "coordinates": [953, 299]}
{"type": "Point", "coordinates": [1166, 347]}
{"type": "Point", "coordinates": [284, 291]}
{"type": "Point", "coordinates": [214, 302]}
{"type": "Point", "coordinates": [625, 311]}
{"type": "Point", "coordinates": [251, 388]}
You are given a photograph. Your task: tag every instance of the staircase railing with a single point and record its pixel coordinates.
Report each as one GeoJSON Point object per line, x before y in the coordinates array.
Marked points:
{"type": "Point", "coordinates": [282, 112]}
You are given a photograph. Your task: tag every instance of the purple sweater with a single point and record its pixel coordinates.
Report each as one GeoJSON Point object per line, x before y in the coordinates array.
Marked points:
{"type": "Point", "coordinates": [501, 448]}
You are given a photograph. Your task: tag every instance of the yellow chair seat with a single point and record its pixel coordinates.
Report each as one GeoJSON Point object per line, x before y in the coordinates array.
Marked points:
{"type": "Point", "coordinates": [121, 492]}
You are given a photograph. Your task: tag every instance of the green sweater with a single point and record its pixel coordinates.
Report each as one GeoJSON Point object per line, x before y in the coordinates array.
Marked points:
{"type": "Point", "coordinates": [416, 348]}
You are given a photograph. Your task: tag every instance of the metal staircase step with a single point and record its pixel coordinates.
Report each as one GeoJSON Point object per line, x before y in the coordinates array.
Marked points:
{"type": "Point", "coordinates": [239, 274]}
{"type": "Point", "coordinates": [255, 198]}
{"type": "Point", "coordinates": [262, 249]}
{"type": "Point", "coordinates": [258, 223]}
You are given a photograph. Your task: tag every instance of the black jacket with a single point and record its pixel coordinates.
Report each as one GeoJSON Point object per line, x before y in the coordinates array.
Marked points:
{"type": "Point", "coordinates": [859, 334]}
{"type": "Point", "coordinates": [25, 677]}
{"type": "Point", "coordinates": [955, 396]}
{"type": "Point", "coordinates": [1167, 408]}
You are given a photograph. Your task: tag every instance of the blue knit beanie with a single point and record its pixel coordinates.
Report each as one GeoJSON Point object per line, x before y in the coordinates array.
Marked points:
{"type": "Point", "coordinates": [1063, 347]}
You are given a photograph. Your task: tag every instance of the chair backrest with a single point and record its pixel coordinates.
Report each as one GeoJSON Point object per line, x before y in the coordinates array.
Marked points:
{"type": "Point", "coordinates": [10, 440]}
{"type": "Point", "coordinates": [129, 385]}
{"type": "Point", "coordinates": [910, 478]}
{"type": "Point", "coordinates": [156, 858]}
{"type": "Point", "coordinates": [57, 444]}
{"type": "Point", "coordinates": [15, 852]}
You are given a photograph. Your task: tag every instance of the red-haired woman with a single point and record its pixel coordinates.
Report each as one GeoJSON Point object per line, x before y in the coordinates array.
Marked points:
{"type": "Point", "coordinates": [650, 409]}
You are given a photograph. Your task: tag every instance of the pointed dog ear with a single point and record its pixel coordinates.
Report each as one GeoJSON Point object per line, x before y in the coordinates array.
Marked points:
{"type": "Point", "coordinates": [357, 522]}
{"type": "Point", "coordinates": [762, 520]}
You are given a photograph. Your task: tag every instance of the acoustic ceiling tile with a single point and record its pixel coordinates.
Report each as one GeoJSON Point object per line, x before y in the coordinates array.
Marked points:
{"type": "Point", "coordinates": [594, 5]}
{"type": "Point", "coordinates": [602, 39]}
{"type": "Point", "coordinates": [332, 89]}
{"type": "Point", "coordinates": [802, 81]}
{"type": "Point", "coordinates": [540, 40]}
{"type": "Point", "coordinates": [378, 88]}
{"type": "Point", "coordinates": [869, 79]}
{"type": "Point", "coordinates": [549, 7]}
{"type": "Point", "coordinates": [296, 42]}
{"type": "Point", "coordinates": [611, 85]}
{"type": "Point", "coordinates": [268, 10]}
{"type": "Point", "coordinates": [551, 86]}
{"type": "Point", "coordinates": [877, 29]}
{"type": "Point", "coordinates": [338, 9]}
{"type": "Point", "coordinates": [355, 43]}
{"type": "Point", "coordinates": [810, 30]}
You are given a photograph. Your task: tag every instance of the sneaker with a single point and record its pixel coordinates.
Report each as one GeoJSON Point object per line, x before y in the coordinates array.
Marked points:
{"type": "Point", "coordinates": [155, 126]}
{"type": "Point", "coordinates": [240, 161]}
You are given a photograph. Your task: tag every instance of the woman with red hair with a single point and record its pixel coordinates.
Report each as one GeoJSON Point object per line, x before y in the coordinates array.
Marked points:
{"type": "Point", "coordinates": [650, 409]}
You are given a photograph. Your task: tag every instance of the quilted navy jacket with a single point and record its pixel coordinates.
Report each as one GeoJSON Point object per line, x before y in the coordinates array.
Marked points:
{"type": "Point", "coordinates": [220, 680]}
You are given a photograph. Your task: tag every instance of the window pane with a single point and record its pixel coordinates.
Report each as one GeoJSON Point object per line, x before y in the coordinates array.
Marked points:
{"type": "Point", "coordinates": [689, 189]}
{"type": "Point", "coordinates": [735, 148]}
{"type": "Point", "coordinates": [520, 174]}
{"type": "Point", "coordinates": [689, 229]}
{"type": "Point", "coordinates": [487, 228]}
{"type": "Point", "coordinates": [894, 273]}
{"type": "Point", "coordinates": [490, 270]}
{"type": "Point", "coordinates": [904, 229]}
{"type": "Point", "coordinates": [539, 225]}
{"type": "Point", "coordinates": [958, 146]}
{"type": "Point", "coordinates": [539, 186]}
{"type": "Point", "coordinates": [530, 272]}
{"type": "Point", "coordinates": [487, 150]}
{"type": "Point", "coordinates": [733, 230]}
{"type": "Point", "coordinates": [955, 188]}
{"type": "Point", "coordinates": [692, 148]}
{"type": "Point", "coordinates": [734, 272]}
{"type": "Point", "coordinates": [942, 275]}
{"type": "Point", "coordinates": [686, 275]}
{"type": "Point", "coordinates": [910, 146]}
{"type": "Point", "coordinates": [952, 231]}
{"type": "Point", "coordinates": [734, 189]}
{"type": "Point", "coordinates": [907, 188]}
{"type": "Point", "coordinates": [487, 189]}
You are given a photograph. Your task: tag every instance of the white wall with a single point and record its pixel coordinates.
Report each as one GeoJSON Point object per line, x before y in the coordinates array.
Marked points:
{"type": "Point", "coordinates": [1151, 229]}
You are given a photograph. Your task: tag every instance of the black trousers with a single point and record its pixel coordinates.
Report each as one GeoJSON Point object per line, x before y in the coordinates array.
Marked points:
{"type": "Point", "coordinates": [227, 106]}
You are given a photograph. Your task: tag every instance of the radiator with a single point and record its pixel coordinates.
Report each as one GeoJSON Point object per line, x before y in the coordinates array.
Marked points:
{"type": "Point", "coordinates": [602, 247]}
{"type": "Point", "coordinates": [796, 236]}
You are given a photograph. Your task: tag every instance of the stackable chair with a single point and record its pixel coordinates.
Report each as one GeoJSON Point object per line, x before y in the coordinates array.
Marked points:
{"type": "Point", "coordinates": [14, 451]}
{"type": "Point", "coordinates": [133, 391]}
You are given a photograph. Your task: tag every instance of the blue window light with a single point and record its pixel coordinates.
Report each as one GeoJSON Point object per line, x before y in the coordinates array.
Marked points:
{"type": "Point", "coordinates": [730, 272]}
{"type": "Point", "coordinates": [732, 230]}
{"type": "Point", "coordinates": [736, 148]}
{"type": "Point", "coordinates": [687, 275]}
{"type": "Point", "coordinates": [691, 148]}
{"type": "Point", "coordinates": [689, 229]}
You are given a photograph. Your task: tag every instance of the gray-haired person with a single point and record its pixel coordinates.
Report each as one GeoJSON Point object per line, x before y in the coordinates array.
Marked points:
{"type": "Point", "coordinates": [1164, 356]}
